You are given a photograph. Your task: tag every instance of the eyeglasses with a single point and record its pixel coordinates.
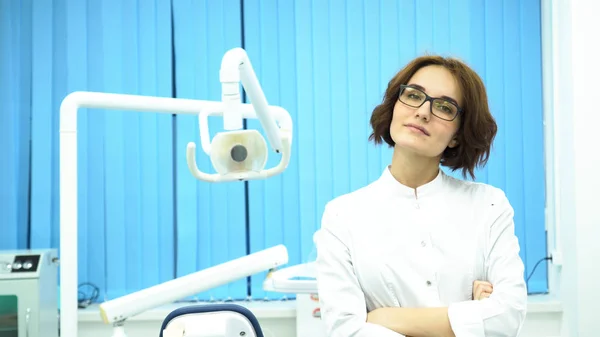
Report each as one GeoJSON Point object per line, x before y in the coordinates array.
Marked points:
{"type": "Point", "coordinates": [440, 107]}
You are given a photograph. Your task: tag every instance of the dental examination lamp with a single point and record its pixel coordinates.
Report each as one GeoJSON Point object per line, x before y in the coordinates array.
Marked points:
{"type": "Point", "coordinates": [238, 154]}
{"type": "Point", "coordinates": [235, 154]}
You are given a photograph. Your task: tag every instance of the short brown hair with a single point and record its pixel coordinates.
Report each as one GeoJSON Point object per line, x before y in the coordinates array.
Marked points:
{"type": "Point", "coordinates": [477, 128]}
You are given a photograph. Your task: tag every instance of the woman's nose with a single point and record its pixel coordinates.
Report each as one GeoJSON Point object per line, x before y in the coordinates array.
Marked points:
{"type": "Point", "coordinates": [424, 111]}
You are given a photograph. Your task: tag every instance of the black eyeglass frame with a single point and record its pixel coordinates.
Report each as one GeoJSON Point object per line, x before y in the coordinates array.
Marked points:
{"type": "Point", "coordinates": [429, 99]}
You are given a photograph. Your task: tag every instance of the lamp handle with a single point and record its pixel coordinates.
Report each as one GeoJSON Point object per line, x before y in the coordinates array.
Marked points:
{"type": "Point", "coordinates": [264, 174]}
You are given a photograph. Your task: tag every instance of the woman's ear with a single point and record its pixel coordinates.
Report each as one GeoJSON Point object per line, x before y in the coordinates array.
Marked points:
{"type": "Point", "coordinates": [453, 143]}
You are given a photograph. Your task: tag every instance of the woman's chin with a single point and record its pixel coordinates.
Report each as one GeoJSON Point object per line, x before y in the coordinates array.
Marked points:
{"type": "Point", "coordinates": [416, 148]}
{"type": "Point", "coordinates": [412, 144]}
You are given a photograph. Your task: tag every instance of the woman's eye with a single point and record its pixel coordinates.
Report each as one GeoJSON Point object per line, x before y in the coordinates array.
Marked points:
{"type": "Point", "coordinates": [444, 107]}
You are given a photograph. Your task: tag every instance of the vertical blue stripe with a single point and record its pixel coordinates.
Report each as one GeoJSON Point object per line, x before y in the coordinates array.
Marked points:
{"type": "Point", "coordinates": [95, 157]}
{"type": "Point", "coordinates": [344, 54]}
{"type": "Point", "coordinates": [373, 85]}
{"type": "Point", "coordinates": [115, 203]}
{"type": "Point", "coordinates": [24, 128]}
{"type": "Point", "coordinates": [138, 148]}
{"type": "Point", "coordinates": [357, 128]}
{"type": "Point", "coordinates": [304, 130]}
{"type": "Point", "coordinates": [424, 25]}
{"type": "Point", "coordinates": [462, 14]}
{"type": "Point", "coordinates": [494, 51]}
{"type": "Point", "coordinates": [8, 190]}
{"type": "Point", "coordinates": [15, 81]}
{"type": "Point", "coordinates": [126, 239]}
{"type": "Point", "coordinates": [158, 185]}
{"type": "Point", "coordinates": [211, 218]}
{"type": "Point", "coordinates": [42, 127]}
{"type": "Point", "coordinates": [442, 29]}
{"type": "Point", "coordinates": [477, 56]}
{"type": "Point", "coordinates": [91, 258]}
{"type": "Point", "coordinates": [513, 130]}
{"type": "Point", "coordinates": [338, 84]}
{"type": "Point", "coordinates": [534, 201]}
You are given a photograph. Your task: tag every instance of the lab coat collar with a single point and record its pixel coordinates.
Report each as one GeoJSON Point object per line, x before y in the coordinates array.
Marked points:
{"type": "Point", "coordinates": [388, 183]}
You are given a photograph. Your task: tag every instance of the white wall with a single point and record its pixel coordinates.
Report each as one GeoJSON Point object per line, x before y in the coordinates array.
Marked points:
{"type": "Point", "coordinates": [576, 139]}
{"type": "Point", "coordinates": [574, 126]}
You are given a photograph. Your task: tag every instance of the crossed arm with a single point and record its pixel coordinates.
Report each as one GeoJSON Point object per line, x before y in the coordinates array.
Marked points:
{"type": "Point", "coordinates": [415, 322]}
{"type": "Point", "coordinates": [423, 322]}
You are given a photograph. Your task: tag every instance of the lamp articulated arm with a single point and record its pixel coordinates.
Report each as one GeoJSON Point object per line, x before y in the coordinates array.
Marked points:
{"type": "Point", "coordinates": [236, 67]}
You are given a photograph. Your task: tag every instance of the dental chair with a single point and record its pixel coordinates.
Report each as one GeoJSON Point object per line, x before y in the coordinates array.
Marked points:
{"type": "Point", "coordinates": [212, 320]}
{"type": "Point", "coordinates": [232, 320]}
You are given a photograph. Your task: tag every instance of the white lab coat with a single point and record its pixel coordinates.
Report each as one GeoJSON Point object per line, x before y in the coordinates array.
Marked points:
{"type": "Point", "coordinates": [386, 246]}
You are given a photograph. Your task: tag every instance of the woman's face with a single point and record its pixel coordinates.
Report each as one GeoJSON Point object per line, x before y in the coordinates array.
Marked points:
{"type": "Point", "coordinates": [416, 128]}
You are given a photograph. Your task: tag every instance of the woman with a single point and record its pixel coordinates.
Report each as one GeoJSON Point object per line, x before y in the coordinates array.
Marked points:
{"type": "Point", "coordinates": [403, 255]}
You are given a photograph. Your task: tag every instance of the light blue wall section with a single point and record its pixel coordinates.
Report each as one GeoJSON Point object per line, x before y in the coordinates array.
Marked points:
{"type": "Point", "coordinates": [211, 218]}
{"type": "Point", "coordinates": [15, 114]}
{"type": "Point", "coordinates": [125, 160]}
{"type": "Point", "coordinates": [328, 63]}
{"type": "Point", "coordinates": [143, 218]}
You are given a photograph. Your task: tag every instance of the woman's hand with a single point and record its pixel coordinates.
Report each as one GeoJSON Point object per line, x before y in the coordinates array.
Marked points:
{"type": "Point", "coordinates": [481, 290]}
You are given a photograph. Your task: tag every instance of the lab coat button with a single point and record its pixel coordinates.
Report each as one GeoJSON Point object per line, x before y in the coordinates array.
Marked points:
{"type": "Point", "coordinates": [416, 205]}
{"type": "Point", "coordinates": [423, 244]}
{"type": "Point", "coordinates": [428, 283]}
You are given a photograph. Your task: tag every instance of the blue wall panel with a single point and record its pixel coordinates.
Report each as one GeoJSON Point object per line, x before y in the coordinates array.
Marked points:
{"type": "Point", "coordinates": [533, 201]}
{"type": "Point", "coordinates": [143, 218]}
{"type": "Point", "coordinates": [211, 218]}
{"type": "Point", "coordinates": [125, 160]}
{"type": "Point", "coordinates": [15, 84]}
{"type": "Point", "coordinates": [328, 63]}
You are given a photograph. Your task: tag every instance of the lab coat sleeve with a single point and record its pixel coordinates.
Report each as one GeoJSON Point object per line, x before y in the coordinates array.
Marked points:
{"type": "Point", "coordinates": [503, 313]}
{"type": "Point", "coordinates": [343, 305]}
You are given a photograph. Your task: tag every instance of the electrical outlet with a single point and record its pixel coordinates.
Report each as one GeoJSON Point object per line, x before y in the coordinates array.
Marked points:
{"type": "Point", "coordinates": [557, 258]}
